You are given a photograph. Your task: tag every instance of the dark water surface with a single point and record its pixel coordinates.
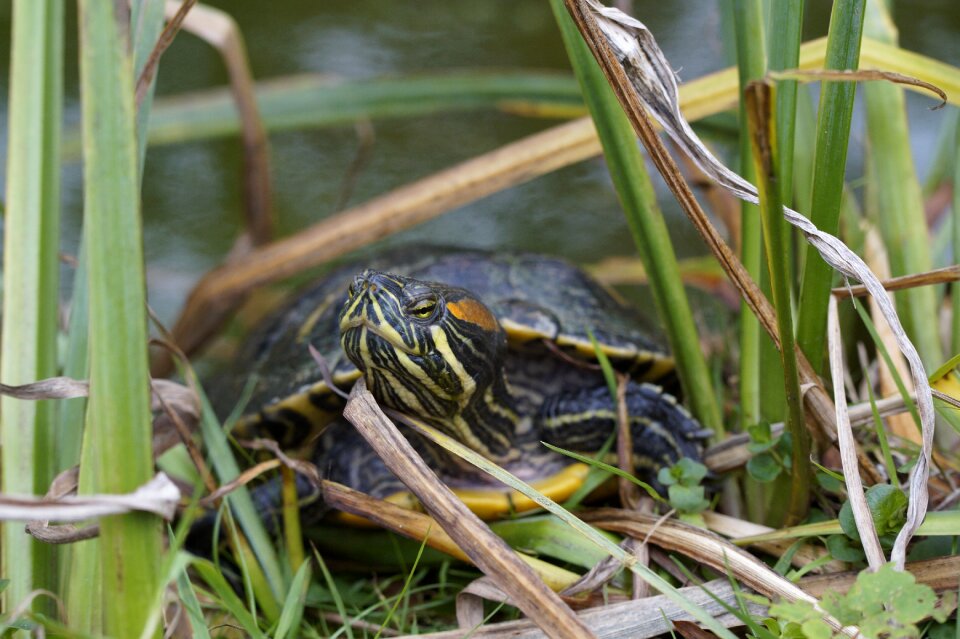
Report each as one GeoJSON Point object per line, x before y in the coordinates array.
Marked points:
{"type": "Point", "coordinates": [192, 205]}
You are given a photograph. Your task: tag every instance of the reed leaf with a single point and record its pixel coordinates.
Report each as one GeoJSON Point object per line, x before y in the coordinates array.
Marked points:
{"type": "Point", "coordinates": [783, 52]}
{"type": "Point", "coordinates": [265, 570]}
{"type": "Point", "coordinates": [833, 131]}
{"type": "Point", "coordinates": [763, 135]}
{"type": "Point", "coordinates": [118, 418]}
{"type": "Point", "coordinates": [637, 197]}
{"type": "Point", "coordinates": [315, 101]}
{"type": "Point", "coordinates": [81, 564]}
{"type": "Point", "coordinates": [955, 231]}
{"type": "Point", "coordinates": [899, 212]}
{"type": "Point", "coordinates": [31, 278]}
{"type": "Point", "coordinates": [751, 65]}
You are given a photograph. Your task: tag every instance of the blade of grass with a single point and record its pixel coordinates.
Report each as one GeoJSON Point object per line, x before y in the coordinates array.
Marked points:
{"type": "Point", "coordinates": [146, 23]}
{"type": "Point", "coordinates": [228, 598]}
{"type": "Point", "coordinates": [188, 597]}
{"type": "Point", "coordinates": [291, 517]}
{"type": "Point", "coordinates": [31, 279]}
{"type": "Point", "coordinates": [403, 596]}
{"type": "Point", "coordinates": [751, 65]}
{"type": "Point", "coordinates": [293, 606]}
{"type": "Point", "coordinates": [81, 562]}
{"type": "Point", "coordinates": [300, 102]}
{"type": "Point", "coordinates": [833, 131]}
{"type": "Point", "coordinates": [878, 427]}
{"type": "Point", "coordinates": [241, 505]}
{"type": "Point", "coordinates": [335, 594]}
{"type": "Point", "coordinates": [955, 229]}
{"type": "Point", "coordinates": [763, 137]}
{"type": "Point", "coordinates": [119, 408]}
{"type": "Point", "coordinates": [635, 190]}
{"type": "Point", "coordinates": [786, 32]}
{"type": "Point", "coordinates": [900, 212]}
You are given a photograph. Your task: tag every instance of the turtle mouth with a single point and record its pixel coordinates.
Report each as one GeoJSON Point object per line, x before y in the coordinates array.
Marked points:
{"type": "Point", "coordinates": [360, 323]}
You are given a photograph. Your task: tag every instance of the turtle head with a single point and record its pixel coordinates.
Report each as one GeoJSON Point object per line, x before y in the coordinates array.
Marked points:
{"type": "Point", "coordinates": [424, 348]}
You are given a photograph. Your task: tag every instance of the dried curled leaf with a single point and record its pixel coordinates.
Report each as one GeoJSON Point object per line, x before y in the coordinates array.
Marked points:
{"type": "Point", "coordinates": [159, 496]}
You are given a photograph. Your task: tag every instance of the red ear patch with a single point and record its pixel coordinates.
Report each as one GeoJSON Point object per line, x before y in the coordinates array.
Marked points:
{"type": "Point", "coordinates": [474, 312]}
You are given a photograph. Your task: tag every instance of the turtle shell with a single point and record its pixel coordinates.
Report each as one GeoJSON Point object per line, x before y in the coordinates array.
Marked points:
{"type": "Point", "coordinates": [537, 299]}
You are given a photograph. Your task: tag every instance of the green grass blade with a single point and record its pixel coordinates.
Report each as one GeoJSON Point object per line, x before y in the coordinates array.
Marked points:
{"type": "Point", "coordinates": [763, 137]}
{"type": "Point", "coordinates": [241, 505]}
{"type": "Point", "coordinates": [899, 213]}
{"type": "Point", "coordinates": [880, 429]}
{"type": "Point", "coordinates": [192, 605]}
{"type": "Point", "coordinates": [833, 131]}
{"type": "Point", "coordinates": [955, 230]}
{"type": "Point", "coordinates": [314, 101]}
{"type": "Point", "coordinates": [335, 594]}
{"type": "Point", "coordinates": [146, 23]}
{"type": "Point", "coordinates": [649, 230]}
{"type": "Point", "coordinates": [293, 607]}
{"type": "Point", "coordinates": [119, 408]}
{"type": "Point", "coordinates": [82, 585]}
{"type": "Point", "coordinates": [228, 598]}
{"type": "Point", "coordinates": [785, 35]}
{"type": "Point", "coordinates": [751, 65]}
{"type": "Point", "coordinates": [547, 536]}
{"type": "Point", "coordinates": [404, 592]}
{"type": "Point", "coordinates": [31, 278]}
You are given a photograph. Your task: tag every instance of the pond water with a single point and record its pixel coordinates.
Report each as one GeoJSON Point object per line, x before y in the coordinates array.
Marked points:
{"type": "Point", "coordinates": [192, 206]}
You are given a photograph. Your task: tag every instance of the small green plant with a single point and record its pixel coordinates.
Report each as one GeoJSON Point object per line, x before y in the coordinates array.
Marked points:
{"type": "Point", "coordinates": [771, 455]}
{"type": "Point", "coordinates": [886, 603]}
{"type": "Point", "coordinates": [684, 491]}
{"type": "Point", "coordinates": [888, 507]}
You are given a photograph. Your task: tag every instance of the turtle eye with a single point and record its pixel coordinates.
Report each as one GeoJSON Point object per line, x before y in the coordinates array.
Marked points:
{"type": "Point", "coordinates": [423, 308]}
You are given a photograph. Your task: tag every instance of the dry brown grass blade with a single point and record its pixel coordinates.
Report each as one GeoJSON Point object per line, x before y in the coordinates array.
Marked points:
{"type": "Point", "coordinates": [62, 485]}
{"type": "Point", "coordinates": [423, 528]}
{"type": "Point", "coordinates": [840, 75]}
{"type": "Point", "coordinates": [487, 551]}
{"type": "Point", "coordinates": [408, 523]}
{"type": "Point", "coordinates": [158, 496]}
{"type": "Point", "coordinates": [732, 452]}
{"type": "Point", "coordinates": [846, 441]}
{"type": "Point", "coordinates": [636, 619]}
{"type": "Point", "coordinates": [704, 547]}
{"type": "Point", "coordinates": [174, 23]}
{"type": "Point", "coordinates": [936, 276]}
{"type": "Point", "coordinates": [220, 31]}
{"type": "Point", "coordinates": [731, 527]}
{"type": "Point", "coordinates": [690, 630]}
{"type": "Point", "coordinates": [940, 574]}
{"type": "Point", "coordinates": [242, 479]}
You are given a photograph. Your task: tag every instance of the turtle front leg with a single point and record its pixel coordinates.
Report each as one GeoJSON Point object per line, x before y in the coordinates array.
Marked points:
{"type": "Point", "coordinates": [663, 431]}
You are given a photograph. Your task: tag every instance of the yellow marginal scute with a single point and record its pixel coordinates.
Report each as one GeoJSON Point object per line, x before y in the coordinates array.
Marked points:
{"type": "Point", "coordinates": [491, 504]}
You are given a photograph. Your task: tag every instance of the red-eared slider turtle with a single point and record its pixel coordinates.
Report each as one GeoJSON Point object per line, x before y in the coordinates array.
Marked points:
{"type": "Point", "coordinates": [487, 347]}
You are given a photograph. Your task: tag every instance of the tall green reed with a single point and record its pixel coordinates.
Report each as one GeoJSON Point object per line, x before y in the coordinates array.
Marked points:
{"type": "Point", "coordinates": [833, 132]}
{"type": "Point", "coordinates": [118, 417]}
{"type": "Point", "coordinates": [899, 211]}
{"type": "Point", "coordinates": [31, 277]}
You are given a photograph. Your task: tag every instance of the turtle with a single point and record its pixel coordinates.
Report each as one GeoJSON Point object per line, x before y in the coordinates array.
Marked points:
{"type": "Point", "coordinates": [492, 348]}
